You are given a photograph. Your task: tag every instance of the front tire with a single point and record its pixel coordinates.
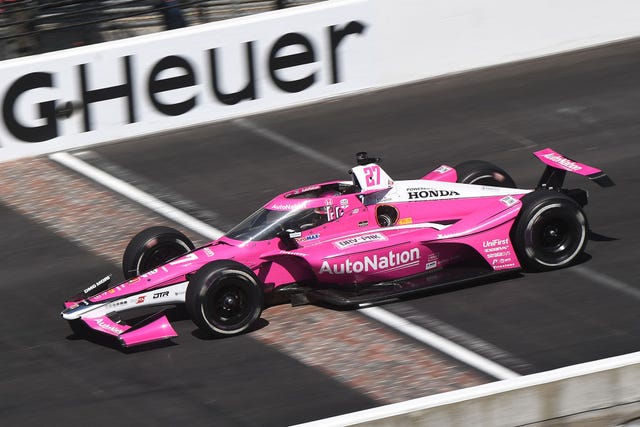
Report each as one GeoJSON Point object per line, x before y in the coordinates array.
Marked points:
{"type": "Point", "coordinates": [480, 172]}
{"type": "Point", "coordinates": [152, 248]}
{"type": "Point", "coordinates": [224, 298]}
{"type": "Point", "coordinates": [550, 232]}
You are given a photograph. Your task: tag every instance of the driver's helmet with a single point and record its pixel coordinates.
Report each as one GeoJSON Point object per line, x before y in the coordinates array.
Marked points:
{"type": "Point", "coordinates": [315, 216]}
{"type": "Point", "coordinates": [322, 210]}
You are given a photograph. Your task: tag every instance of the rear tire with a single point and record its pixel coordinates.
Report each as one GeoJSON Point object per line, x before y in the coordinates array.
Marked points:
{"type": "Point", "coordinates": [480, 172]}
{"type": "Point", "coordinates": [152, 248]}
{"type": "Point", "coordinates": [550, 231]}
{"type": "Point", "coordinates": [224, 298]}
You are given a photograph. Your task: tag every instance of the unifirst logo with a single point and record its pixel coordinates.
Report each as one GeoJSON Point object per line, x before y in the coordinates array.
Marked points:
{"type": "Point", "coordinates": [495, 242]}
{"type": "Point", "coordinates": [391, 261]}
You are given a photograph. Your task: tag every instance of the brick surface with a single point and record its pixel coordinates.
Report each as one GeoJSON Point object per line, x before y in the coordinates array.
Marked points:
{"type": "Point", "coordinates": [343, 344]}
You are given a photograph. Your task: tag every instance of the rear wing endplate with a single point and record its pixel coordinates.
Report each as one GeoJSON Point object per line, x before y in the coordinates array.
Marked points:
{"type": "Point", "coordinates": [558, 165]}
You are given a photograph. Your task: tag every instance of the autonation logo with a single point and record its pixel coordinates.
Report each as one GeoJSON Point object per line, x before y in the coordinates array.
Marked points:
{"type": "Point", "coordinates": [391, 261]}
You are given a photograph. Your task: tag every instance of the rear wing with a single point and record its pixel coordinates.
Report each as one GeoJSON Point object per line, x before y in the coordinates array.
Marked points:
{"type": "Point", "coordinates": [558, 166]}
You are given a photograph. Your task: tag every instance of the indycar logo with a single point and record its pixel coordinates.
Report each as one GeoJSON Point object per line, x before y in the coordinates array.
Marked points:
{"type": "Point", "coordinates": [426, 193]}
{"type": "Point", "coordinates": [391, 261]}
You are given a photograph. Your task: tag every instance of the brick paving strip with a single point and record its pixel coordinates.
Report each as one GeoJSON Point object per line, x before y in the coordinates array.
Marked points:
{"type": "Point", "coordinates": [384, 365]}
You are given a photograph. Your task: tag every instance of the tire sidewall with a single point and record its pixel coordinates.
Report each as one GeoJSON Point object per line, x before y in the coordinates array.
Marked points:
{"type": "Point", "coordinates": [480, 172]}
{"type": "Point", "coordinates": [212, 279]}
{"type": "Point", "coordinates": [543, 210]}
{"type": "Point", "coordinates": [144, 243]}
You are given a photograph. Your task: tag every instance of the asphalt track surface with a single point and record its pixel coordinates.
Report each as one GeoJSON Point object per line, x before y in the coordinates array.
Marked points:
{"type": "Point", "coordinates": [585, 105]}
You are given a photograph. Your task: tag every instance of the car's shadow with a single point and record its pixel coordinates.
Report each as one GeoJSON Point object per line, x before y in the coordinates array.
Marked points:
{"type": "Point", "coordinates": [203, 335]}
{"type": "Point", "coordinates": [597, 237]}
{"type": "Point", "coordinates": [426, 292]}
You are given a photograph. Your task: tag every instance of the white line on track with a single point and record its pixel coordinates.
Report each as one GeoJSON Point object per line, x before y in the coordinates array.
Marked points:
{"type": "Point", "coordinates": [379, 314]}
{"type": "Point", "coordinates": [606, 280]}
{"type": "Point", "coordinates": [292, 145]}
{"type": "Point", "coordinates": [436, 341]}
{"type": "Point", "coordinates": [136, 195]}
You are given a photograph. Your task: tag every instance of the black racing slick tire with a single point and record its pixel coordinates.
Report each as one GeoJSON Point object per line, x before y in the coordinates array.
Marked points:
{"type": "Point", "coordinates": [480, 172]}
{"type": "Point", "coordinates": [224, 298]}
{"type": "Point", "coordinates": [153, 247]}
{"type": "Point", "coordinates": [550, 232]}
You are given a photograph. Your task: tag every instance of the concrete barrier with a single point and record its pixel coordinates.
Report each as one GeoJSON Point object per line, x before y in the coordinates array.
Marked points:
{"type": "Point", "coordinates": [600, 393]}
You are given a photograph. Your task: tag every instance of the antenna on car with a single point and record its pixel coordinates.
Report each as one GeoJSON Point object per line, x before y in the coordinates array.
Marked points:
{"type": "Point", "coordinates": [362, 158]}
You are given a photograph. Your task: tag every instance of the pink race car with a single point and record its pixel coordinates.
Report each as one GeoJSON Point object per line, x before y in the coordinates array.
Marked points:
{"type": "Point", "coordinates": [346, 243]}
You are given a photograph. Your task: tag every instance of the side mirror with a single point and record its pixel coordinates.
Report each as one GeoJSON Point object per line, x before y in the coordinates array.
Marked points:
{"type": "Point", "coordinates": [287, 237]}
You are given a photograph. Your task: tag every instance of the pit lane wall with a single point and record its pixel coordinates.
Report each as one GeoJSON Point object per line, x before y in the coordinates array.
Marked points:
{"type": "Point", "coordinates": [159, 82]}
{"type": "Point", "coordinates": [601, 393]}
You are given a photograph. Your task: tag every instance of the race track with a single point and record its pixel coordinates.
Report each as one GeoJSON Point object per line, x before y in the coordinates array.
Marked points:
{"type": "Point", "coordinates": [62, 231]}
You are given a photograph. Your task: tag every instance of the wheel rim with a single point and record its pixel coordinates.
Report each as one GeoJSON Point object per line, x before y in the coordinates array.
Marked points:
{"type": "Point", "coordinates": [228, 304]}
{"type": "Point", "coordinates": [487, 179]}
{"type": "Point", "coordinates": [554, 235]}
{"type": "Point", "coordinates": [160, 254]}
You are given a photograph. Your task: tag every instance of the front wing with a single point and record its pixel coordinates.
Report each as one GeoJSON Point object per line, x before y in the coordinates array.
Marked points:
{"type": "Point", "coordinates": [105, 317]}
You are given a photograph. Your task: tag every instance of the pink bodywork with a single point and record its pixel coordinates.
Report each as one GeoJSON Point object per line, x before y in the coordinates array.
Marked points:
{"type": "Point", "coordinates": [352, 248]}
{"type": "Point", "coordinates": [551, 158]}
{"type": "Point", "coordinates": [157, 329]}
{"type": "Point", "coordinates": [439, 223]}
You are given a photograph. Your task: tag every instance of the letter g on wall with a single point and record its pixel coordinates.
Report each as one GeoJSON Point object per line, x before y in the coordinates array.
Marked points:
{"type": "Point", "coordinates": [46, 109]}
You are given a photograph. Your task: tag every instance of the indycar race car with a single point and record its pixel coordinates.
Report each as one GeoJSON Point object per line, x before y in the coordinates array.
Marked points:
{"type": "Point", "coordinates": [346, 243]}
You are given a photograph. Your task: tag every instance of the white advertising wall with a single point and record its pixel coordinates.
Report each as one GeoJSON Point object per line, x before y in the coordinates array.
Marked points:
{"type": "Point", "coordinates": [279, 59]}
{"type": "Point", "coordinates": [425, 38]}
{"type": "Point", "coordinates": [172, 79]}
